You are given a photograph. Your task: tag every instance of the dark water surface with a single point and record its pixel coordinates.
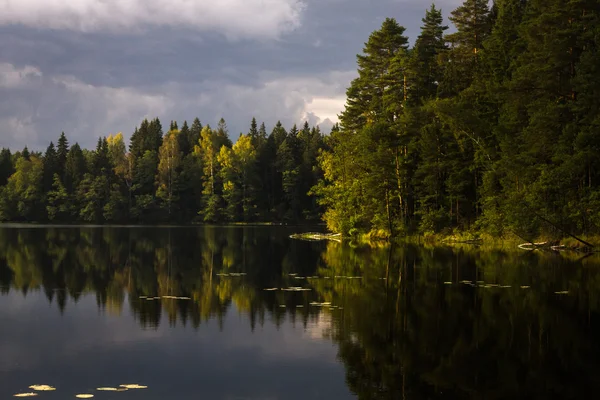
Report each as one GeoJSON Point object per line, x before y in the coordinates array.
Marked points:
{"type": "Point", "coordinates": [371, 323]}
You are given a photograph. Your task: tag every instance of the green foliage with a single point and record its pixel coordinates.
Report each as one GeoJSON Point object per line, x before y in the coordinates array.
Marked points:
{"type": "Point", "coordinates": [75, 168]}
{"type": "Point", "coordinates": [497, 132]}
{"type": "Point", "coordinates": [494, 127]}
{"type": "Point", "coordinates": [22, 199]}
{"type": "Point", "coordinates": [167, 178]}
{"type": "Point", "coordinates": [62, 151]}
{"type": "Point", "coordinates": [59, 207]}
{"type": "Point", "coordinates": [6, 166]}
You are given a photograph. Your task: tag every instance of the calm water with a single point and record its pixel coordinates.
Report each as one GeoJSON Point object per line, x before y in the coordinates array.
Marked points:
{"type": "Point", "coordinates": [368, 323]}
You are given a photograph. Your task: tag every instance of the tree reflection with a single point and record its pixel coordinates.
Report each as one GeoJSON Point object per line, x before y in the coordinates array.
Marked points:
{"type": "Point", "coordinates": [409, 322]}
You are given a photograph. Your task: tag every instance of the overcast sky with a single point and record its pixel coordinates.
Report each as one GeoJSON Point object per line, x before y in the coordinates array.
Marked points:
{"type": "Point", "coordinates": [95, 67]}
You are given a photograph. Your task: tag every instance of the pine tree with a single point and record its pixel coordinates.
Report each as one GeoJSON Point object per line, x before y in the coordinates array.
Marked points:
{"type": "Point", "coordinates": [6, 166]}
{"type": "Point", "coordinates": [58, 207]}
{"type": "Point", "coordinates": [222, 134]}
{"type": "Point", "coordinates": [472, 24]}
{"type": "Point", "coordinates": [373, 95]}
{"type": "Point", "coordinates": [194, 135]}
{"type": "Point", "coordinates": [101, 164]}
{"type": "Point", "coordinates": [50, 167]}
{"type": "Point", "coordinates": [253, 133]}
{"type": "Point", "coordinates": [62, 151]}
{"type": "Point", "coordinates": [25, 153]}
{"type": "Point", "coordinates": [75, 168]}
{"type": "Point", "coordinates": [426, 71]}
{"type": "Point", "coordinates": [184, 140]}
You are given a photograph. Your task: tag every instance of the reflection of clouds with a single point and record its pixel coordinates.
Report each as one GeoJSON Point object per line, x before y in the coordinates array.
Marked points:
{"type": "Point", "coordinates": [321, 328]}
{"type": "Point", "coordinates": [17, 356]}
{"type": "Point", "coordinates": [289, 341]}
{"type": "Point", "coordinates": [34, 335]}
{"type": "Point", "coordinates": [32, 330]}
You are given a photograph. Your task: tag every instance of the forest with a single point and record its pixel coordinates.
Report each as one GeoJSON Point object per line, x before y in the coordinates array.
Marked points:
{"type": "Point", "coordinates": [492, 126]}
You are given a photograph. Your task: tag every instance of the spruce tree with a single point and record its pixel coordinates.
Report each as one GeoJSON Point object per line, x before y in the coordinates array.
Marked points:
{"type": "Point", "coordinates": [50, 167]}
{"type": "Point", "coordinates": [426, 71]}
{"type": "Point", "coordinates": [194, 135]}
{"type": "Point", "coordinates": [62, 150]}
{"type": "Point", "coordinates": [75, 168]}
{"type": "Point", "coordinates": [184, 140]}
{"type": "Point", "coordinates": [6, 166]}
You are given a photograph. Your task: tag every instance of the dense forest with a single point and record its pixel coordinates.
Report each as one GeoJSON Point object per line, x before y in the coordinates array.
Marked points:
{"type": "Point", "coordinates": [188, 174]}
{"type": "Point", "coordinates": [493, 127]}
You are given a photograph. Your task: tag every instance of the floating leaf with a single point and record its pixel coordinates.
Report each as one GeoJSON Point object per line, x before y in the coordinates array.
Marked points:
{"type": "Point", "coordinates": [447, 283]}
{"type": "Point", "coordinates": [42, 388]}
{"type": "Point", "coordinates": [108, 389]}
{"type": "Point", "coordinates": [134, 386]}
{"type": "Point", "coordinates": [84, 396]}
{"type": "Point", "coordinates": [25, 394]}
{"type": "Point", "coordinates": [562, 292]}
{"type": "Point", "coordinates": [525, 287]}
{"type": "Point", "coordinates": [270, 289]}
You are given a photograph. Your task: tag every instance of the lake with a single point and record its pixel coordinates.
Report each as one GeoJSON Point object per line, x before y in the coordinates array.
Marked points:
{"type": "Point", "coordinates": [248, 313]}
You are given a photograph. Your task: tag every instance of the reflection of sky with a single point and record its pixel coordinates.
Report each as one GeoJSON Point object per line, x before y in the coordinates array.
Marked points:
{"type": "Point", "coordinates": [85, 349]}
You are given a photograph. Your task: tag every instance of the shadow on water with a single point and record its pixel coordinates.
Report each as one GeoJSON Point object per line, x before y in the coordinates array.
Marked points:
{"type": "Point", "coordinates": [408, 322]}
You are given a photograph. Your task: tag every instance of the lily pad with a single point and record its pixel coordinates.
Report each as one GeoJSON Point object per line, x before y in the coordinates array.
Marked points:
{"type": "Point", "coordinates": [42, 388]}
{"type": "Point", "coordinates": [134, 386]}
{"type": "Point", "coordinates": [25, 394]}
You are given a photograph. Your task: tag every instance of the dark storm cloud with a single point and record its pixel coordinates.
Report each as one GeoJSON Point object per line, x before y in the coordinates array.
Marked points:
{"type": "Point", "coordinates": [94, 75]}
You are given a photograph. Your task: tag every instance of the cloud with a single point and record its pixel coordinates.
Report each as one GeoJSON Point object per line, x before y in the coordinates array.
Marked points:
{"type": "Point", "coordinates": [110, 106]}
{"type": "Point", "coordinates": [292, 100]}
{"type": "Point", "coordinates": [235, 19]}
{"type": "Point", "coordinates": [12, 76]}
{"type": "Point", "coordinates": [36, 106]}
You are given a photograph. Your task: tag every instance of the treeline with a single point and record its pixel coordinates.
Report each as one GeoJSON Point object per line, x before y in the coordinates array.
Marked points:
{"type": "Point", "coordinates": [188, 174]}
{"type": "Point", "coordinates": [493, 127]}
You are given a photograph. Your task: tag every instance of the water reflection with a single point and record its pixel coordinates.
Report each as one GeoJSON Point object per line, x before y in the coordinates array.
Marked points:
{"type": "Point", "coordinates": [407, 322]}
